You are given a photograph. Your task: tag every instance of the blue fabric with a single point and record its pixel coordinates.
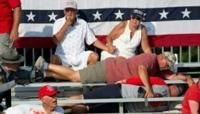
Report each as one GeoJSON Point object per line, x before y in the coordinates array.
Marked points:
{"type": "Point", "coordinates": [109, 91]}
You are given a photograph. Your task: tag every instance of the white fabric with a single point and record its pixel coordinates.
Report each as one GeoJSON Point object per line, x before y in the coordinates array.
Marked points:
{"type": "Point", "coordinates": [130, 91]}
{"type": "Point", "coordinates": [125, 45]}
{"type": "Point", "coordinates": [72, 49]}
{"type": "Point", "coordinates": [31, 109]}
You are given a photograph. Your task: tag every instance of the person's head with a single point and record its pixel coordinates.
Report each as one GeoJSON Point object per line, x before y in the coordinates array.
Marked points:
{"type": "Point", "coordinates": [10, 59]}
{"type": "Point", "coordinates": [166, 60]}
{"type": "Point", "coordinates": [177, 90]}
{"type": "Point", "coordinates": [47, 94]}
{"type": "Point", "coordinates": [136, 17]}
{"type": "Point", "coordinates": [70, 8]}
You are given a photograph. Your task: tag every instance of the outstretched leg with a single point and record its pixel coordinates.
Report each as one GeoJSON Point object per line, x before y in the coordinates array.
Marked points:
{"type": "Point", "coordinates": [64, 73]}
{"type": "Point", "coordinates": [58, 71]}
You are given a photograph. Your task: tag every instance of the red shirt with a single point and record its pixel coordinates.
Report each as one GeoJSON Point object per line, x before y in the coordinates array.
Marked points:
{"type": "Point", "coordinates": [6, 14]}
{"type": "Point", "coordinates": [153, 80]}
{"type": "Point", "coordinates": [193, 93]}
{"type": "Point", "coordinates": [119, 69]}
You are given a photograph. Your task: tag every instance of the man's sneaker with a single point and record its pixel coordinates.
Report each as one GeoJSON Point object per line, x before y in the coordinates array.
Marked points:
{"type": "Point", "coordinates": [39, 64]}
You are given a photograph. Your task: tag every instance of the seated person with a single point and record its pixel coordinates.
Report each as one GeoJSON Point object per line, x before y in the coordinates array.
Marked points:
{"type": "Point", "coordinates": [47, 95]}
{"type": "Point", "coordinates": [133, 88]}
{"type": "Point", "coordinates": [127, 37]}
{"type": "Point", "coordinates": [191, 101]}
{"type": "Point", "coordinates": [71, 34]}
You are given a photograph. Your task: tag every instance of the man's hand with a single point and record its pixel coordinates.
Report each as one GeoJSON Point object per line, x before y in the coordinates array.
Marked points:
{"type": "Point", "coordinates": [69, 20]}
{"type": "Point", "coordinates": [111, 48]}
{"type": "Point", "coordinates": [189, 80]}
{"type": "Point", "coordinates": [149, 94]}
{"type": "Point", "coordinates": [14, 35]}
{"type": "Point", "coordinates": [121, 82]}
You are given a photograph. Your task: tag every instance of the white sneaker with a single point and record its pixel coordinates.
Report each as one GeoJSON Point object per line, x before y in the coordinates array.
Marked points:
{"type": "Point", "coordinates": [39, 64]}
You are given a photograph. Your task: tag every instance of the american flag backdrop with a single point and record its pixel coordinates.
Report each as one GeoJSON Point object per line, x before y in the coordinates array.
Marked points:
{"type": "Point", "coordinates": [164, 19]}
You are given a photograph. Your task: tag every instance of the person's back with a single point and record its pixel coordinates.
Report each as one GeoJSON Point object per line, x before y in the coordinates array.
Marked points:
{"type": "Point", "coordinates": [192, 95]}
{"type": "Point", "coordinates": [119, 68]}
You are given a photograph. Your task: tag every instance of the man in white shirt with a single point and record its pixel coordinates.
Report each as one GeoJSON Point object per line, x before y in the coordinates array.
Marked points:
{"type": "Point", "coordinates": [71, 34]}
{"type": "Point", "coordinates": [47, 95]}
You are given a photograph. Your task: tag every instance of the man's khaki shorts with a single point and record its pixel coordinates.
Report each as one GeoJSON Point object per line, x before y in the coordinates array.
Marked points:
{"type": "Point", "coordinates": [5, 42]}
{"type": "Point", "coordinates": [93, 73]}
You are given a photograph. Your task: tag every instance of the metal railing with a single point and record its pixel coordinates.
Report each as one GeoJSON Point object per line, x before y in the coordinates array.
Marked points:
{"type": "Point", "coordinates": [189, 54]}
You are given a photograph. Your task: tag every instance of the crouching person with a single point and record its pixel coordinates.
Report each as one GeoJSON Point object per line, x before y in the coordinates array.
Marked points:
{"type": "Point", "coordinates": [10, 70]}
{"type": "Point", "coordinates": [131, 88]}
{"type": "Point", "coordinates": [10, 61]}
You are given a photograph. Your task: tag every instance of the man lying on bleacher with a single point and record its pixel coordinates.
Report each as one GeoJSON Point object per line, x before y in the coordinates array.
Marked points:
{"type": "Point", "coordinates": [131, 88]}
{"type": "Point", "coordinates": [112, 70]}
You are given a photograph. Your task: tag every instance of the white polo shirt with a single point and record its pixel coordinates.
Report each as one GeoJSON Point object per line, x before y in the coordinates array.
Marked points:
{"type": "Point", "coordinates": [31, 109]}
{"type": "Point", "coordinates": [71, 49]}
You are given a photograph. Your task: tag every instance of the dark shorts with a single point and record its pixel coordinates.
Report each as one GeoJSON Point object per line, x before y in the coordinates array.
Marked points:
{"type": "Point", "coordinates": [93, 73]}
{"type": "Point", "coordinates": [108, 91]}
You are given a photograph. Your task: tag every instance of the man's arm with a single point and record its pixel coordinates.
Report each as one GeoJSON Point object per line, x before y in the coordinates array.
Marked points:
{"type": "Point", "coordinates": [179, 76]}
{"type": "Point", "coordinates": [60, 34]}
{"type": "Point", "coordinates": [100, 45]}
{"type": "Point", "coordinates": [194, 107]}
{"type": "Point", "coordinates": [16, 20]}
{"type": "Point", "coordinates": [142, 72]}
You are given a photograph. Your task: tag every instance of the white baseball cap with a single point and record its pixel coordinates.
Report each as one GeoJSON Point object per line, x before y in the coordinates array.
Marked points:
{"type": "Point", "coordinates": [70, 4]}
{"type": "Point", "coordinates": [171, 58]}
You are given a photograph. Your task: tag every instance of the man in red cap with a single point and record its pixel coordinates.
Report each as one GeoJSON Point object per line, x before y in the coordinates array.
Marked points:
{"type": "Point", "coordinates": [47, 95]}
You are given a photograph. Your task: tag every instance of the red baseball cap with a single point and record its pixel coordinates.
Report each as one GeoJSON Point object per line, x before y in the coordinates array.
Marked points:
{"type": "Point", "coordinates": [47, 91]}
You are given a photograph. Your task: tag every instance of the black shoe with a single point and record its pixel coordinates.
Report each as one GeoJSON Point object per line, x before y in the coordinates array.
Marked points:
{"type": "Point", "coordinates": [37, 75]}
{"type": "Point", "coordinates": [24, 77]}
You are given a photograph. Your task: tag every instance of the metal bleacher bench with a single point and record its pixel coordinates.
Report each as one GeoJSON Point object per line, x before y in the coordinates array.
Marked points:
{"type": "Point", "coordinates": [47, 48]}
{"type": "Point", "coordinates": [64, 101]}
{"type": "Point", "coordinates": [188, 65]}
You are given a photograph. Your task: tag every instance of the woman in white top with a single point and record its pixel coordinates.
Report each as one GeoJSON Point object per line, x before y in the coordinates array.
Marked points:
{"type": "Point", "coordinates": [127, 36]}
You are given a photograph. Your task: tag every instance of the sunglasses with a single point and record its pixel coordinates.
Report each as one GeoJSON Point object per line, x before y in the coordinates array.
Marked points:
{"type": "Point", "coordinates": [136, 17]}
{"type": "Point", "coordinates": [70, 9]}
